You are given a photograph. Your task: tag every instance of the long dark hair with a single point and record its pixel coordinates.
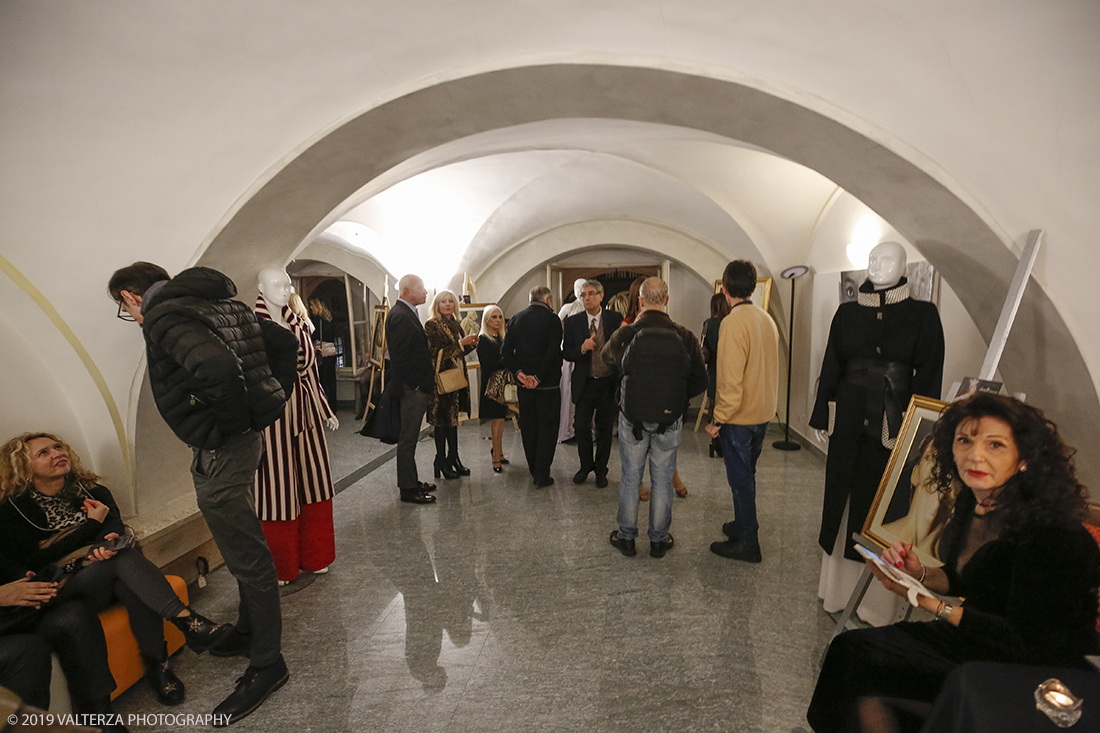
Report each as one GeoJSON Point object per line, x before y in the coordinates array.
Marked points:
{"type": "Point", "coordinates": [1046, 493]}
{"type": "Point", "coordinates": [632, 305]}
{"type": "Point", "coordinates": [719, 306]}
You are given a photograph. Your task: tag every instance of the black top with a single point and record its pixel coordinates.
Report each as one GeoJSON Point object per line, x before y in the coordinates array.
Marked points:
{"type": "Point", "coordinates": [488, 355]}
{"type": "Point", "coordinates": [533, 345]}
{"type": "Point", "coordinates": [410, 358]}
{"type": "Point", "coordinates": [23, 525]}
{"type": "Point", "coordinates": [576, 333]}
{"type": "Point", "coordinates": [215, 370]}
{"type": "Point", "coordinates": [1031, 594]}
{"type": "Point", "coordinates": [711, 326]}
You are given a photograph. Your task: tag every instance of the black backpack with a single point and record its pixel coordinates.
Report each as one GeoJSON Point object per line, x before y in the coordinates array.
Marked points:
{"type": "Point", "coordinates": [654, 378]}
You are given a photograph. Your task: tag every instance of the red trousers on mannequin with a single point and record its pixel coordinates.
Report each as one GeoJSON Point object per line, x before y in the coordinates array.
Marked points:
{"type": "Point", "coordinates": [306, 543]}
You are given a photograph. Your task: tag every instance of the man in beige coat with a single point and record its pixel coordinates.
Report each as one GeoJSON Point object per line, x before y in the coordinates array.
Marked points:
{"type": "Point", "coordinates": [744, 402]}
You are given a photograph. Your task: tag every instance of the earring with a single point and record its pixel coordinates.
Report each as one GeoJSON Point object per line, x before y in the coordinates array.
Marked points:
{"type": "Point", "coordinates": [1023, 467]}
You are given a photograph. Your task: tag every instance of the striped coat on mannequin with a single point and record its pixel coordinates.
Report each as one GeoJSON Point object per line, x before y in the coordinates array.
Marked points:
{"type": "Point", "coordinates": [293, 483]}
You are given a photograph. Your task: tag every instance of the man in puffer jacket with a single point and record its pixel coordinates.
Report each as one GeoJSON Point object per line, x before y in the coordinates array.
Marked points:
{"type": "Point", "coordinates": [220, 376]}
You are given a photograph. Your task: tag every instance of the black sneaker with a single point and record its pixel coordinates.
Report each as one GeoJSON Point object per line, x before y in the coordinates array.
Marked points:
{"type": "Point", "coordinates": [729, 529]}
{"type": "Point", "coordinates": [255, 686]}
{"type": "Point", "coordinates": [736, 551]}
{"type": "Point", "coordinates": [658, 549]}
{"type": "Point", "coordinates": [624, 546]}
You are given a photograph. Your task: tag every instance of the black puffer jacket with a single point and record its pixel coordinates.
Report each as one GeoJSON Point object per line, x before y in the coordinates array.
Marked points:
{"type": "Point", "coordinates": [215, 369]}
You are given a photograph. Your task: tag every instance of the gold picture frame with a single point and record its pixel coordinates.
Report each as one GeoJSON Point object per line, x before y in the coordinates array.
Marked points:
{"type": "Point", "coordinates": [761, 296]}
{"type": "Point", "coordinates": [916, 516]}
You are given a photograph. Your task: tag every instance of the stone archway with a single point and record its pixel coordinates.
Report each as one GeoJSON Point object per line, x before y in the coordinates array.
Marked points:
{"type": "Point", "coordinates": [1041, 356]}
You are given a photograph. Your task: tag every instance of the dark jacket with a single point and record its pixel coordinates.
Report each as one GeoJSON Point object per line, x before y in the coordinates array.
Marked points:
{"type": "Point", "coordinates": [410, 359]}
{"type": "Point", "coordinates": [533, 345]}
{"type": "Point", "coordinates": [614, 349]}
{"type": "Point", "coordinates": [215, 369]}
{"type": "Point", "coordinates": [576, 333]}
{"type": "Point", "coordinates": [19, 537]}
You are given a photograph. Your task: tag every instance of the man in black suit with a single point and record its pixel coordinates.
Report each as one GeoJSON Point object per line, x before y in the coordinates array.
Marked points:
{"type": "Point", "coordinates": [532, 349]}
{"type": "Point", "coordinates": [593, 381]}
{"type": "Point", "coordinates": [411, 363]}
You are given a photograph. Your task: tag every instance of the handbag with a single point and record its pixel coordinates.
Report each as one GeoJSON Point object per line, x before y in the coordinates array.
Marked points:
{"type": "Point", "coordinates": [384, 421]}
{"type": "Point", "coordinates": [502, 387]}
{"type": "Point", "coordinates": [448, 380]}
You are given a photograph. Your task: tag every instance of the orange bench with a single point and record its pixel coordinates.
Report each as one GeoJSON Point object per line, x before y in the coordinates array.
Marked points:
{"type": "Point", "coordinates": [122, 648]}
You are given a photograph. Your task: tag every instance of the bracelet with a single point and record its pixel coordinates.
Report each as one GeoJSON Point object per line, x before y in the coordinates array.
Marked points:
{"type": "Point", "coordinates": [923, 570]}
{"type": "Point", "coordinates": [944, 611]}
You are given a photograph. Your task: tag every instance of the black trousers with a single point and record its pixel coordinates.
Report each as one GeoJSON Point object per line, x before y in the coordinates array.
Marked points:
{"type": "Point", "coordinates": [141, 587]}
{"type": "Point", "coordinates": [414, 403]}
{"type": "Point", "coordinates": [597, 399]}
{"type": "Point", "coordinates": [539, 416]}
{"type": "Point", "coordinates": [71, 630]}
{"type": "Point", "coordinates": [909, 661]}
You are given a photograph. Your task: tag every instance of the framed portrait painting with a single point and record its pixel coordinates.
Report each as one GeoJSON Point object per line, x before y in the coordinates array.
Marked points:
{"type": "Point", "coordinates": [378, 335]}
{"type": "Point", "coordinates": [908, 506]}
{"type": "Point", "coordinates": [761, 296]}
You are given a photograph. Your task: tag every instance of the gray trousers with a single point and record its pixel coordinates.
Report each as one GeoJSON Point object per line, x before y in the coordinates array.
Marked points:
{"type": "Point", "coordinates": [224, 489]}
{"type": "Point", "coordinates": [414, 403]}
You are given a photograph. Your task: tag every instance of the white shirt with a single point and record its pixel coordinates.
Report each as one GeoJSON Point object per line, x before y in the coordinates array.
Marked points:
{"type": "Point", "coordinates": [594, 320]}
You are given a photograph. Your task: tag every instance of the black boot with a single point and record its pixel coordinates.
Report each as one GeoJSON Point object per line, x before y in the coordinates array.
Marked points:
{"type": "Point", "coordinates": [162, 679]}
{"type": "Point", "coordinates": [443, 468]}
{"type": "Point", "coordinates": [715, 448]}
{"type": "Point", "coordinates": [253, 688]}
{"type": "Point", "coordinates": [200, 632]}
{"type": "Point", "coordinates": [458, 467]}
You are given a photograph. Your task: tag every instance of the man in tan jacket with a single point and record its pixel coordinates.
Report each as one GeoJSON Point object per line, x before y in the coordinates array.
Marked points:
{"type": "Point", "coordinates": [744, 402]}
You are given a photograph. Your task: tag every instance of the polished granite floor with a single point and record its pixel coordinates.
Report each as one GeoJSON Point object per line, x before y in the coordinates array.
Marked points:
{"type": "Point", "coordinates": [504, 608]}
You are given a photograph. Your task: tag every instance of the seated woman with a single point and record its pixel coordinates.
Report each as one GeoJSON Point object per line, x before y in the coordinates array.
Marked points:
{"type": "Point", "coordinates": [70, 630]}
{"type": "Point", "coordinates": [1014, 547]}
{"type": "Point", "coordinates": [53, 509]}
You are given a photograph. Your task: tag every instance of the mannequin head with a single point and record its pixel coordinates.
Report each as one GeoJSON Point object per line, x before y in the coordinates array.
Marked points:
{"type": "Point", "coordinates": [578, 286]}
{"type": "Point", "coordinates": [275, 286]}
{"type": "Point", "coordinates": [886, 265]}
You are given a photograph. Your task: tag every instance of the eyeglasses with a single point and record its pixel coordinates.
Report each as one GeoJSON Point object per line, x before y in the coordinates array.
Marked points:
{"type": "Point", "coordinates": [124, 315]}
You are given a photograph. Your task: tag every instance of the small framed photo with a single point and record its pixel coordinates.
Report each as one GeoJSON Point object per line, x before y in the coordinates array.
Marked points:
{"type": "Point", "coordinates": [908, 506]}
{"type": "Point", "coordinates": [378, 333]}
{"type": "Point", "coordinates": [761, 296]}
{"type": "Point", "coordinates": [970, 386]}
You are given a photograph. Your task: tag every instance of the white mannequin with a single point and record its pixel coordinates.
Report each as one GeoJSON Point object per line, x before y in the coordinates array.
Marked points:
{"type": "Point", "coordinates": [885, 268]}
{"type": "Point", "coordinates": [571, 309]}
{"type": "Point", "coordinates": [275, 286]}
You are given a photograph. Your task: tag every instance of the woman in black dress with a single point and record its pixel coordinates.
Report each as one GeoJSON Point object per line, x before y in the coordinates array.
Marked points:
{"type": "Point", "coordinates": [1015, 548]}
{"type": "Point", "coordinates": [488, 354]}
{"type": "Point", "coordinates": [719, 309]}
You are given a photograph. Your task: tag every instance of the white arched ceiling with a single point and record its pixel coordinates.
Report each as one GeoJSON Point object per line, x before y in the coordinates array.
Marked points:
{"type": "Point", "coordinates": [1042, 357]}
{"type": "Point", "coordinates": [135, 130]}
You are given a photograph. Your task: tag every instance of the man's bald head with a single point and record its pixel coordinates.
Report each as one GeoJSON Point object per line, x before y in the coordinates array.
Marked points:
{"type": "Point", "coordinates": [653, 294]}
{"type": "Point", "coordinates": [412, 290]}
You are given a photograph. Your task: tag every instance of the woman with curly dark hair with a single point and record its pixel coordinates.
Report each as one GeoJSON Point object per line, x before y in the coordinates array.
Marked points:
{"type": "Point", "coordinates": [1014, 547]}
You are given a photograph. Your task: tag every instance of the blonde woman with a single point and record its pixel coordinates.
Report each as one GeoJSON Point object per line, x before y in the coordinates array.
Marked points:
{"type": "Point", "coordinates": [445, 337]}
{"type": "Point", "coordinates": [488, 354]}
{"type": "Point", "coordinates": [54, 511]}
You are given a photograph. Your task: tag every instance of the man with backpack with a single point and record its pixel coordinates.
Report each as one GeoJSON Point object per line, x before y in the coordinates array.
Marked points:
{"type": "Point", "coordinates": [662, 368]}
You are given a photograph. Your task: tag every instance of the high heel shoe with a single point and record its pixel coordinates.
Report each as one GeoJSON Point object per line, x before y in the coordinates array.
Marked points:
{"type": "Point", "coordinates": [715, 449]}
{"type": "Point", "coordinates": [503, 461]}
{"type": "Point", "coordinates": [443, 468]}
{"type": "Point", "coordinates": [200, 632]}
{"type": "Point", "coordinates": [497, 468]}
{"type": "Point", "coordinates": [678, 485]}
{"type": "Point", "coordinates": [458, 467]}
{"type": "Point", "coordinates": [643, 495]}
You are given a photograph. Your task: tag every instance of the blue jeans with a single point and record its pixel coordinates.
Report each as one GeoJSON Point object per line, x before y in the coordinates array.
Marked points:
{"type": "Point", "coordinates": [660, 448]}
{"type": "Point", "coordinates": [741, 446]}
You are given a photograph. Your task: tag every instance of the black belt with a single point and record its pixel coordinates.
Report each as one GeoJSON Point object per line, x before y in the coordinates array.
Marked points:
{"type": "Point", "coordinates": [887, 385]}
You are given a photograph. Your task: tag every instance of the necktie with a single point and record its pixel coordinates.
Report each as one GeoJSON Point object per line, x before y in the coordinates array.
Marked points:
{"type": "Point", "coordinates": [592, 328]}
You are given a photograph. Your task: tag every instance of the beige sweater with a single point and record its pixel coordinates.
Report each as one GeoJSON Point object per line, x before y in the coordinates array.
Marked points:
{"type": "Point", "coordinates": [747, 390]}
